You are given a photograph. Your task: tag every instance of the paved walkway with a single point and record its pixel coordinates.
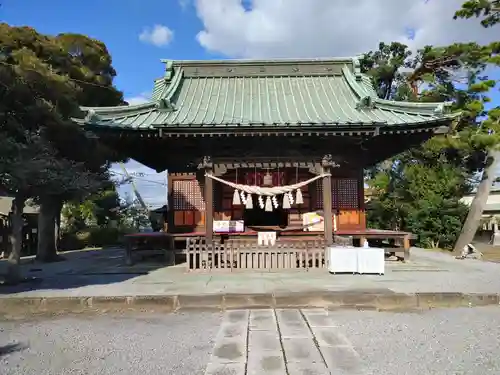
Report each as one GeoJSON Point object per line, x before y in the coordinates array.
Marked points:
{"type": "Point", "coordinates": [282, 342]}
{"type": "Point", "coordinates": [104, 273]}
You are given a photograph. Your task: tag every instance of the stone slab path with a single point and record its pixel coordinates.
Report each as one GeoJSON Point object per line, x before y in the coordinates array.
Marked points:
{"type": "Point", "coordinates": [282, 342]}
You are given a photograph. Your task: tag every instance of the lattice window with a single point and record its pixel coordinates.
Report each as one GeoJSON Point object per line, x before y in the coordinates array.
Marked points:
{"type": "Point", "coordinates": [348, 193]}
{"type": "Point", "coordinates": [187, 195]}
{"type": "Point", "coordinates": [319, 194]}
{"type": "Point", "coordinates": [345, 194]}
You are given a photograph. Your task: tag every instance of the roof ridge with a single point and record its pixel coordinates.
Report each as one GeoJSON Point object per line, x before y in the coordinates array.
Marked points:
{"type": "Point", "coordinates": [353, 79]}
{"type": "Point", "coordinates": [165, 87]}
{"type": "Point", "coordinates": [260, 61]}
{"type": "Point", "coordinates": [173, 84]}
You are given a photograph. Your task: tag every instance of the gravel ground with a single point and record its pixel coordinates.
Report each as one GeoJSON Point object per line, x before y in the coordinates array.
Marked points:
{"type": "Point", "coordinates": [444, 342]}
{"type": "Point", "coordinates": [178, 344]}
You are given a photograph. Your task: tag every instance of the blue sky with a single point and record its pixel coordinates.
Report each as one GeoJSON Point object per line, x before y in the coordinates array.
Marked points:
{"type": "Point", "coordinates": [138, 33]}
{"type": "Point", "coordinates": [118, 23]}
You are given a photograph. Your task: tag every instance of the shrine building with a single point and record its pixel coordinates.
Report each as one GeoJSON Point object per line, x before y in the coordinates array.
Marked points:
{"type": "Point", "coordinates": [260, 145]}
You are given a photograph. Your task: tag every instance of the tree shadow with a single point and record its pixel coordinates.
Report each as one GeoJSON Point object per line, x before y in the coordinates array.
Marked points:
{"type": "Point", "coordinates": [106, 266]}
{"type": "Point", "coordinates": [82, 268]}
{"type": "Point", "coordinates": [11, 348]}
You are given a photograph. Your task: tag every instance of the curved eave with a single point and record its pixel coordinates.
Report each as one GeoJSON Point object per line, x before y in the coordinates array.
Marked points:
{"type": "Point", "coordinates": [120, 110]}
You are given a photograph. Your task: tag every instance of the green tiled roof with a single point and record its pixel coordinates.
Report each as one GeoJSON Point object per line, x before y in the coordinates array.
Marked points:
{"type": "Point", "coordinates": [242, 93]}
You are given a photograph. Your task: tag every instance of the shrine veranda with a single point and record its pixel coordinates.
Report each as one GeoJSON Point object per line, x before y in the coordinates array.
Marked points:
{"type": "Point", "coordinates": [240, 139]}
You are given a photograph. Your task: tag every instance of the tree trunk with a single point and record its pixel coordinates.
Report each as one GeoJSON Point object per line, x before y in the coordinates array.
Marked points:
{"type": "Point", "coordinates": [16, 240]}
{"type": "Point", "coordinates": [476, 209]}
{"type": "Point", "coordinates": [48, 229]}
{"type": "Point", "coordinates": [58, 225]}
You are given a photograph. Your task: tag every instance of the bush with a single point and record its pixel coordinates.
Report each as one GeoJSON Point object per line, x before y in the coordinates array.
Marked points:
{"type": "Point", "coordinates": [71, 241]}
{"type": "Point", "coordinates": [437, 221]}
{"type": "Point", "coordinates": [98, 237]}
{"type": "Point", "coordinates": [93, 237]}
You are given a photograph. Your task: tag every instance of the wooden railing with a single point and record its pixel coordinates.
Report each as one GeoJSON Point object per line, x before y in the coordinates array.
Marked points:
{"type": "Point", "coordinates": [245, 254]}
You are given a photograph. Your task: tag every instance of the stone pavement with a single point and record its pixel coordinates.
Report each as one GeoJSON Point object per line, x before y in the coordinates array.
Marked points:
{"type": "Point", "coordinates": [317, 342]}
{"type": "Point", "coordinates": [102, 274]}
{"type": "Point", "coordinates": [278, 342]}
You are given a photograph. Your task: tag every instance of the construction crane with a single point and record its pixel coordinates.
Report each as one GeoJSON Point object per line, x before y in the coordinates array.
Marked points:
{"type": "Point", "coordinates": [137, 194]}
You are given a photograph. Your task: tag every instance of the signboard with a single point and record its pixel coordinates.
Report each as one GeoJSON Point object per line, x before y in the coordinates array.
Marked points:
{"type": "Point", "coordinates": [229, 226]}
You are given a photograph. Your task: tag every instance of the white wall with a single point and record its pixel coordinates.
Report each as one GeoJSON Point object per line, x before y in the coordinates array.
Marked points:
{"type": "Point", "coordinates": [492, 199]}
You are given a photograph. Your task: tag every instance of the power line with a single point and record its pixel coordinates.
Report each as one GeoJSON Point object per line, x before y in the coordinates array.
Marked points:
{"type": "Point", "coordinates": [137, 178]}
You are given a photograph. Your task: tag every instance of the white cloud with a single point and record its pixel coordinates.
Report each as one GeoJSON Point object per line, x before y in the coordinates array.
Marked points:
{"type": "Point", "coordinates": [158, 35]}
{"type": "Point", "coordinates": [321, 28]}
{"type": "Point", "coordinates": [139, 99]}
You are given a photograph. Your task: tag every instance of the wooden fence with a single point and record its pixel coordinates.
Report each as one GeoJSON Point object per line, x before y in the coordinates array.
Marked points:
{"type": "Point", "coordinates": [244, 254]}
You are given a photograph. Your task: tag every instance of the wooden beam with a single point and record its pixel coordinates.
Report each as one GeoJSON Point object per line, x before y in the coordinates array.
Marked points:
{"type": "Point", "coordinates": [185, 153]}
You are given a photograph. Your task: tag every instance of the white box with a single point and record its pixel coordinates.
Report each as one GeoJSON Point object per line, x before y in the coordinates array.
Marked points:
{"type": "Point", "coordinates": [342, 259]}
{"type": "Point", "coordinates": [371, 260]}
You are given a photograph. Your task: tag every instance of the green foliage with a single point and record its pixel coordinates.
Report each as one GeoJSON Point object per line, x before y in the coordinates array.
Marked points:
{"type": "Point", "coordinates": [44, 80]}
{"type": "Point", "coordinates": [100, 220]}
{"type": "Point", "coordinates": [102, 209]}
{"type": "Point", "coordinates": [384, 67]}
{"type": "Point", "coordinates": [487, 10]}
{"type": "Point", "coordinates": [437, 220]}
{"type": "Point", "coordinates": [420, 190]}
{"type": "Point", "coordinates": [134, 216]}
{"type": "Point", "coordinates": [419, 198]}
{"type": "Point", "coordinates": [93, 237]}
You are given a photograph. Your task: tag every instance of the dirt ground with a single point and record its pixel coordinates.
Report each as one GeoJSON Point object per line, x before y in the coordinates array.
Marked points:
{"type": "Point", "coordinates": [490, 253]}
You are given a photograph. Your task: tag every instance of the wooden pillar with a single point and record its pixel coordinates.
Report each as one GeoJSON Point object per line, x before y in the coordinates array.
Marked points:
{"type": "Point", "coordinates": [209, 201]}
{"type": "Point", "coordinates": [166, 215]}
{"type": "Point", "coordinates": [170, 203]}
{"type": "Point", "coordinates": [326, 165]}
